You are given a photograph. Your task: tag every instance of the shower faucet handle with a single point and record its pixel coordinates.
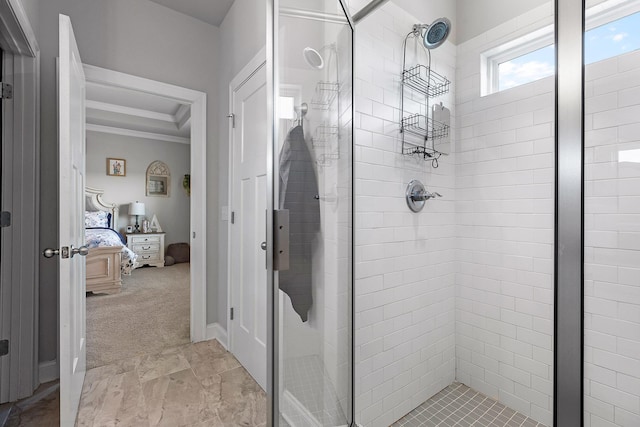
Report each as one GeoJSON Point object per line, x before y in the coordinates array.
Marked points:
{"type": "Point", "coordinates": [420, 195]}
{"type": "Point", "coordinates": [423, 195]}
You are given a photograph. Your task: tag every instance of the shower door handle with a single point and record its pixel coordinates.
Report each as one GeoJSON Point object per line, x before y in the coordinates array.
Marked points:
{"type": "Point", "coordinates": [281, 239]}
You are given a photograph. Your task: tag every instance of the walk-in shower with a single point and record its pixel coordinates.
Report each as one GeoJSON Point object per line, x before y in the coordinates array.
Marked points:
{"type": "Point", "coordinates": [465, 306]}
{"type": "Point", "coordinates": [454, 302]}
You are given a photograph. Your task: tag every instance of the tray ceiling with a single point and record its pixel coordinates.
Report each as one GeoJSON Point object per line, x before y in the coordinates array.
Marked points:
{"type": "Point", "coordinates": [137, 114]}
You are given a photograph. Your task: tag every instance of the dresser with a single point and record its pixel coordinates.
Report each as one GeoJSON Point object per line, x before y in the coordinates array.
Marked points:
{"type": "Point", "coordinates": [148, 246]}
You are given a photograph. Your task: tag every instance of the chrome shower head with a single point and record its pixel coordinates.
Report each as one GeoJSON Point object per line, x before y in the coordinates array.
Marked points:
{"type": "Point", "coordinates": [313, 58]}
{"type": "Point", "coordinates": [435, 34]}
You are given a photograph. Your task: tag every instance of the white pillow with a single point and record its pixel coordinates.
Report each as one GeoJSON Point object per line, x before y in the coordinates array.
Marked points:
{"type": "Point", "coordinates": [98, 219]}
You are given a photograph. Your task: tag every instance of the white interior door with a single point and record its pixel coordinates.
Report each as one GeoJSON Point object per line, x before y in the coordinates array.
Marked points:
{"type": "Point", "coordinates": [248, 276]}
{"type": "Point", "coordinates": [71, 140]}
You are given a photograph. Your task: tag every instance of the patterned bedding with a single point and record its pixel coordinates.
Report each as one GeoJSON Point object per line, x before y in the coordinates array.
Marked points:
{"type": "Point", "coordinates": [100, 237]}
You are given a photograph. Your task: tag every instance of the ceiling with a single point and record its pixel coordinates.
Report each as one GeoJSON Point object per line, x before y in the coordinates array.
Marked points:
{"type": "Point", "coordinates": [136, 114]}
{"type": "Point", "coordinates": [210, 11]}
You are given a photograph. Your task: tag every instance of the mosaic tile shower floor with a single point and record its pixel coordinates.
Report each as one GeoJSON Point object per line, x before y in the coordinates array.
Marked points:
{"type": "Point", "coordinates": [459, 405]}
{"type": "Point", "coordinates": [306, 381]}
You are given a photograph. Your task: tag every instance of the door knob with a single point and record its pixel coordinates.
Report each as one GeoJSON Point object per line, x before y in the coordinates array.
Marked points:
{"type": "Point", "coordinates": [50, 253]}
{"type": "Point", "coordinates": [65, 252]}
{"type": "Point", "coordinates": [263, 246]}
{"type": "Point", "coordinates": [82, 250]}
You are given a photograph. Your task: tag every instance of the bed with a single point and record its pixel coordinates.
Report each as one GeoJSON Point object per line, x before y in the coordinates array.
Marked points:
{"type": "Point", "coordinates": [108, 256]}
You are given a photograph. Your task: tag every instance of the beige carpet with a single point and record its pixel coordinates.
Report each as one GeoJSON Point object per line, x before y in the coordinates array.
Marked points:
{"type": "Point", "coordinates": [150, 314]}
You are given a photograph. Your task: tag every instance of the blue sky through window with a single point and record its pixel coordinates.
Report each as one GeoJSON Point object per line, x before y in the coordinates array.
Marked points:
{"type": "Point", "coordinates": [527, 68]}
{"type": "Point", "coordinates": [614, 38]}
{"type": "Point", "coordinates": [606, 41]}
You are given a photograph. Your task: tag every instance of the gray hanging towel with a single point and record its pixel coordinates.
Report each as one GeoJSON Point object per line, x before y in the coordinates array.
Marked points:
{"type": "Point", "coordinates": [298, 194]}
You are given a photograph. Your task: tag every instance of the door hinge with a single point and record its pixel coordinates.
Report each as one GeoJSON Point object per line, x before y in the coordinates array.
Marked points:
{"type": "Point", "coordinates": [233, 119]}
{"type": "Point", "coordinates": [7, 91]}
{"type": "Point", "coordinates": [233, 217]}
{"type": "Point", "coordinates": [231, 313]}
{"type": "Point", "coordinates": [4, 347]}
{"type": "Point", "coordinates": [5, 219]}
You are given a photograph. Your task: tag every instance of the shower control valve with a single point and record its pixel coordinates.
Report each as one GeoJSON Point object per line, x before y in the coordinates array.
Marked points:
{"type": "Point", "coordinates": [417, 195]}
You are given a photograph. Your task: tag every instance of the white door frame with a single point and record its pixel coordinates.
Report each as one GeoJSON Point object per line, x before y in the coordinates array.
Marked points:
{"type": "Point", "coordinates": [198, 102]}
{"type": "Point", "coordinates": [245, 74]}
{"type": "Point", "coordinates": [21, 194]}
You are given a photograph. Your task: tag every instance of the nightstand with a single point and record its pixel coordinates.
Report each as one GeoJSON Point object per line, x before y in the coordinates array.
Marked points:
{"type": "Point", "coordinates": [148, 246]}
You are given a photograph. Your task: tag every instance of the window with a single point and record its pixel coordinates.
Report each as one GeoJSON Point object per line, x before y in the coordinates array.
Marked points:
{"type": "Point", "coordinates": [527, 68]}
{"type": "Point", "coordinates": [612, 39]}
{"type": "Point", "coordinates": [532, 57]}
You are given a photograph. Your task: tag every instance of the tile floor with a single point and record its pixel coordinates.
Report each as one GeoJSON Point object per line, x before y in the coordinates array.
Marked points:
{"type": "Point", "coordinates": [194, 385]}
{"type": "Point", "coordinates": [459, 405]}
{"type": "Point", "coordinates": [203, 385]}
{"type": "Point", "coordinates": [39, 410]}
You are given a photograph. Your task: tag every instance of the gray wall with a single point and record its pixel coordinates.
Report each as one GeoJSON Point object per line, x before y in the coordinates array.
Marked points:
{"type": "Point", "coordinates": [474, 17]}
{"type": "Point", "coordinates": [31, 9]}
{"type": "Point", "coordinates": [242, 35]}
{"type": "Point", "coordinates": [173, 211]}
{"type": "Point", "coordinates": [136, 37]}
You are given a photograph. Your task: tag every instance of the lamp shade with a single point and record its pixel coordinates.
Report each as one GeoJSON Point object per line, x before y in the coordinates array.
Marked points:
{"type": "Point", "coordinates": [136, 208]}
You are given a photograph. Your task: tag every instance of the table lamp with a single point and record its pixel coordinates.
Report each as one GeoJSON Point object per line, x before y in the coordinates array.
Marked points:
{"type": "Point", "coordinates": [136, 208]}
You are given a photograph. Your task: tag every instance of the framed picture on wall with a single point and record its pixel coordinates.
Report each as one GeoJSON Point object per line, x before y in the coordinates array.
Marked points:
{"type": "Point", "coordinates": [158, 179]}
{"type": "Point", "coordinates": [157, 186]}
{"type": "Point", "coordinates": [116, 167]}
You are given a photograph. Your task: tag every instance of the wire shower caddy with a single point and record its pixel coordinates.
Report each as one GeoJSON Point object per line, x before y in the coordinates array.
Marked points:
{"type": "Point", "coordinates": [424, 130]}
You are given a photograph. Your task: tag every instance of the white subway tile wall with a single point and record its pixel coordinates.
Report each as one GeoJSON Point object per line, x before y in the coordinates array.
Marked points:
{"type": "Point", "coordinates": [504, 228]}
{"type": "Point", "coordinates": [405, 321]}
{"type": "Point", "coordinates": [612, 248]}
{"type": "Point", "coordinates": [485, 251]}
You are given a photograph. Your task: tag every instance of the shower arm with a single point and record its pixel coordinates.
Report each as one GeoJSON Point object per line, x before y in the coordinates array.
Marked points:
{"type": "Point", "coordinates": [367, 9]}
{"type": "Point", "coordinates": [419, 28]}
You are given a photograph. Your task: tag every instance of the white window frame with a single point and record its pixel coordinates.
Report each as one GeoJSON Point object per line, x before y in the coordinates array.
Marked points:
{"type": "Point", "coordinates": [490, 60]}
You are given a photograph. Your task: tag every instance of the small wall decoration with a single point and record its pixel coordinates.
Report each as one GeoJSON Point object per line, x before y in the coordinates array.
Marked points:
{"type": "Point", "coordinates": [155, 225]}
{"type": "Point", "coordinates": [186, 184]}
{"type": "Point", "coordinates": [116, 167]}
{"type": "Point", "coordinates": [158, 179]}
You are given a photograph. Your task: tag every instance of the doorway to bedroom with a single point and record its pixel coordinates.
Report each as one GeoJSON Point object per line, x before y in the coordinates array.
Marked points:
{"type": "Point", "coordinates": [138, 178]}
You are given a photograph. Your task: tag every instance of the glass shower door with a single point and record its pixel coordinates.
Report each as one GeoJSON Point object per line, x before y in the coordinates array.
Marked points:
{"type": "Point", "coordinates": [612, 215]}
{"type": "Point", "coordinates": [312, 164]}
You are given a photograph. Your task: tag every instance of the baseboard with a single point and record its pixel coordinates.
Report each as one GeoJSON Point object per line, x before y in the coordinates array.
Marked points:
{"type": "Point", "coordinates": [216, 331]}
{"type": "Point", "coordinates": [48, 371]}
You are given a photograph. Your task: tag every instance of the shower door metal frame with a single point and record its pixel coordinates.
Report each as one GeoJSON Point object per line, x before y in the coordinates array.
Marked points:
{"type": "Point", "coordinates": [273, 309]}
{"type": "Point", "coordinates": [569, 215]}
{"type": "Point", "coordinates": [272, 292]}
